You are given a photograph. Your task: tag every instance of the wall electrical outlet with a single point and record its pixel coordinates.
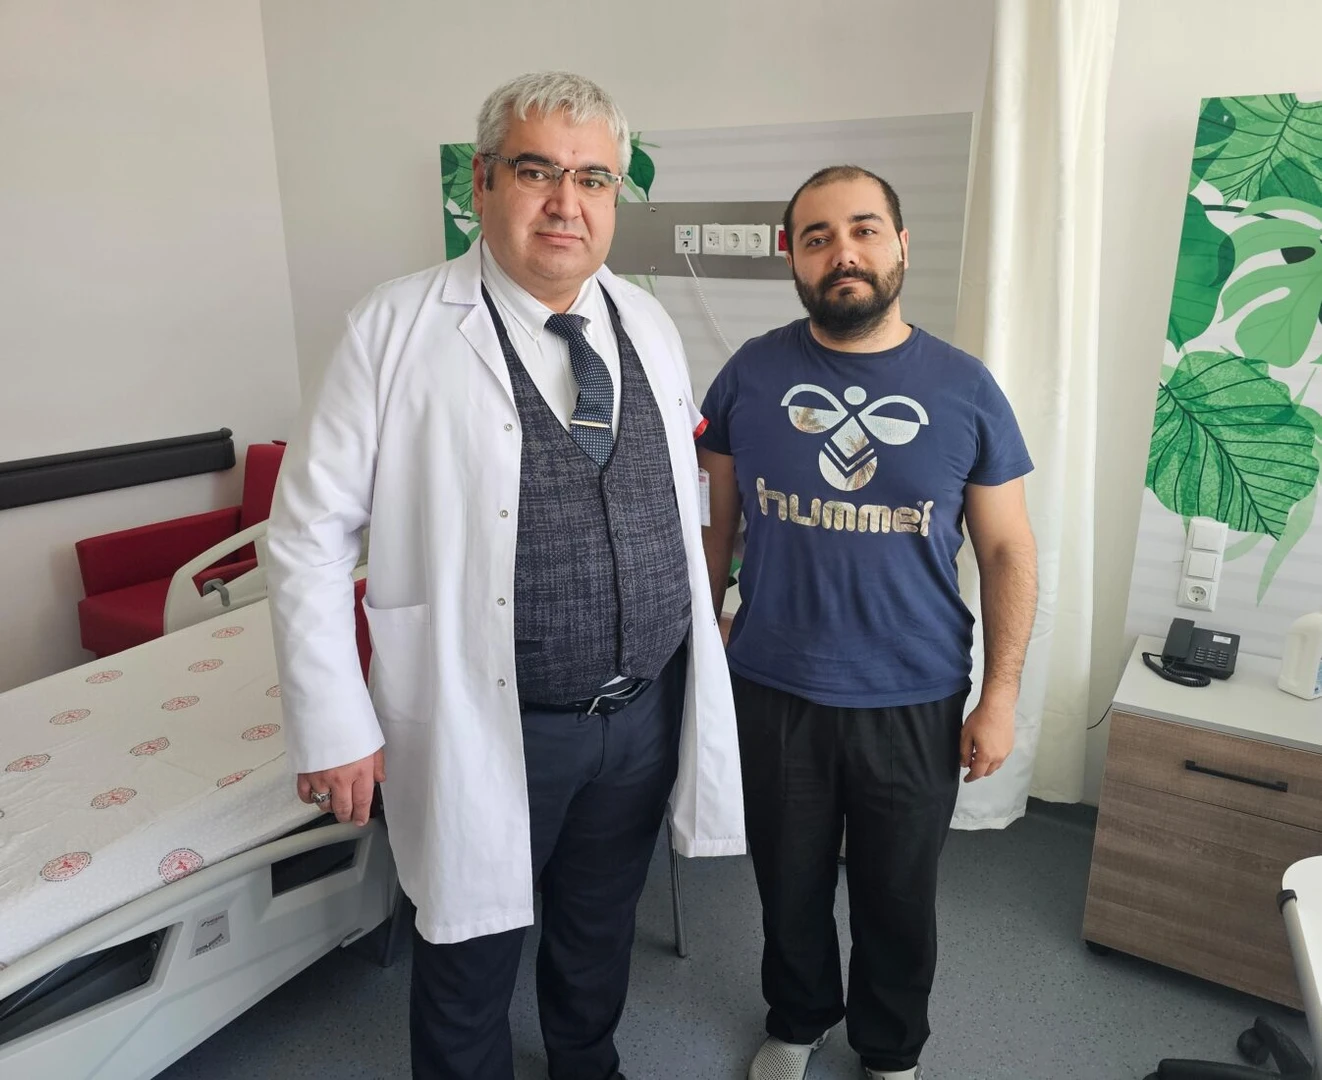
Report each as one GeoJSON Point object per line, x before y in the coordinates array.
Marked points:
{"type": "Point", "coordinates": [688, 240]}
{"type": "Point", "coordinates": [735, 240]}
{"type": "Point", "coordinates": [1204, 550]}
{"type": "Point", "coordinates": [1197, 593]}
{"type": "Point", "coordinates": [758, 240]}
{"type": "Point", "coordinates": [713, 239]}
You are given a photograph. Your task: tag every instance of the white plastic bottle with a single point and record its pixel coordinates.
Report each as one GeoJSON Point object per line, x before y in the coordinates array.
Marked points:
{"type": "Point", "coordinates": [1301, 660]}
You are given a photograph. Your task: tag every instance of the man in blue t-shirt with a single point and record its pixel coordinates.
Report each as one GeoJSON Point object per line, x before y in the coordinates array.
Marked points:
{"type": "Point", "coordinates": [856, 446]}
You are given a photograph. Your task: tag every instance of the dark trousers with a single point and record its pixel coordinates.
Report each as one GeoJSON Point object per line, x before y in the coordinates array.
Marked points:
{"type": "Point", "coordinates": [892, 774]}
{"type": "Point", "coordinates": [597, 789]}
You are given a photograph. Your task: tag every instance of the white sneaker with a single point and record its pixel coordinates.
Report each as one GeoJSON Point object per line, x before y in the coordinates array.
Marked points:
{"type": "Point", "coordinates": [777, 1060]}
{"type": "Point", "coordinates": [916, 1073]}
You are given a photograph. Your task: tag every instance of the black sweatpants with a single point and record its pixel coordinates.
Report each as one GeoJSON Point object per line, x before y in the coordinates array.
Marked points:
{"type": "Point", "coordinates": [892, 774]}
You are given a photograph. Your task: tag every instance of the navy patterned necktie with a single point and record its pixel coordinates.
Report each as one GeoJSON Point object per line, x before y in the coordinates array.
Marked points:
{"type": "Point", "coordinates": [590, 425]}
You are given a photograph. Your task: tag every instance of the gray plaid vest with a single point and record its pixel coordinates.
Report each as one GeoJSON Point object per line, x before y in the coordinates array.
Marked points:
{"type": "Point", "coordinates": [601, 583]}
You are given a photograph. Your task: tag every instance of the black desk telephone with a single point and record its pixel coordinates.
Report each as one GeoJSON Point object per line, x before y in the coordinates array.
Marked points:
{"type": "Point", "coordinates": [1194, 657]}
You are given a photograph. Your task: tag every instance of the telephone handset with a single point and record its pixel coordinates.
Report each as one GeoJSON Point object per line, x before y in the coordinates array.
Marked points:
{"type": "Point", "coordinates": [1193, 656]}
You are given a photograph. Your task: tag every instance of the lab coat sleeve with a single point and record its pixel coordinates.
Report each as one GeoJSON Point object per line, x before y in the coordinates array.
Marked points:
{"type": "Point", "coordinates": [322, 502]}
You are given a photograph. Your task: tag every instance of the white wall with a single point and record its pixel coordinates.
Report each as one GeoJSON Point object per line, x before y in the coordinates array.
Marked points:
{"type": "Point", "coordinates": [143, 286]}
{"type": "Point", "coordinates": [362, 95]}
{"type": "Point", "coordinates": [1168, 57]}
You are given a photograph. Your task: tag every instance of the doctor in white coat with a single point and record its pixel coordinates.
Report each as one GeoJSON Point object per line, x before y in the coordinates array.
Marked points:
{"type": "Point", "coordinates": [517, 426]}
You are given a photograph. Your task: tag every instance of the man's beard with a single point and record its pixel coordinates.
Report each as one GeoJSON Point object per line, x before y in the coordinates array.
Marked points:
{"type": "Point", "coordinates": [855, 314]}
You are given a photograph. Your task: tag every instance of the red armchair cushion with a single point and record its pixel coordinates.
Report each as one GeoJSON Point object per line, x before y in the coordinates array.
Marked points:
{"type": "Point", "coordinates": [261, 466]}
{"type": "Point", "coordinates": [122, 618]}
{"type": "Point", "coordinates": [150, 552]}
{"type": "Point", "coordinates": [126, 574]}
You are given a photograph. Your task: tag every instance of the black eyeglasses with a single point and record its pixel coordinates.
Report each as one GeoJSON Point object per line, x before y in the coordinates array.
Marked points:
{"type": "Point", "coordinates": [542, 178]}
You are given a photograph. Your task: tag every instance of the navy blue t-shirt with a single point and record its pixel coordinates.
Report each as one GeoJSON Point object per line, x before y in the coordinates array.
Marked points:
{"type": "Point", "coordinates": [851, 470]}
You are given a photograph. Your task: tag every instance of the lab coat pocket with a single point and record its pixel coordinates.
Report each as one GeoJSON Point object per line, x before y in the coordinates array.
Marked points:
{"type": "Point", "coordinates": [402, 663]}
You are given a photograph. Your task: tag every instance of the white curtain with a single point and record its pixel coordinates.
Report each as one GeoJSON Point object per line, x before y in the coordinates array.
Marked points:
{"type": "Point", "coordinates": [1028, 307]}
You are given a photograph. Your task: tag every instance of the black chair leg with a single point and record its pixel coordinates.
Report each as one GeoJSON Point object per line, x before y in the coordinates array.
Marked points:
{"type": "Point", "coordinates": [1265, 1039]}
{"type": "Point", "coordinates": [676, 895]}
{"type": "Point", "coordinates": [1290, 1060]}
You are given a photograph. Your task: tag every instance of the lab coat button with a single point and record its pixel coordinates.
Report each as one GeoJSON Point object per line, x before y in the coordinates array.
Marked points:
{"type": "Point", "coordinates": [500, 682]}
{"type": "Point", "coordinates": [501, 601]}
{"type": "Point", "coordinates": [509, 427]}
{"type": "Point", "coordinates": [504, 513]}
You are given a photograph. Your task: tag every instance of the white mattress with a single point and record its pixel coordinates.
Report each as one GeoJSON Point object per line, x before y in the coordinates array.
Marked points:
{"type": "Point", "coordinates": [130, 772]}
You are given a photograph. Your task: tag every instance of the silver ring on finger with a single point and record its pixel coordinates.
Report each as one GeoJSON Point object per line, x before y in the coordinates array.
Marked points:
{"type": "Point", "coordinates": [321, 798]}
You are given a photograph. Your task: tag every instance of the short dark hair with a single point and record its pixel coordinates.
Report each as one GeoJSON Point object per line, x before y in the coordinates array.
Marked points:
{"type": "Point", "coordinates": [833, 174]}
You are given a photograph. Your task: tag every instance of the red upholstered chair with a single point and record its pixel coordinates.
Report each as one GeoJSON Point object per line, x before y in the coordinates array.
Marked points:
{"type": "Point", "coordinates": [126, 574]}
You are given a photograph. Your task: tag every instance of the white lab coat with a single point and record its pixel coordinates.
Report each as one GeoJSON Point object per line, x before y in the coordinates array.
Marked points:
{"type": "Point", "coordinates": [415, 428]}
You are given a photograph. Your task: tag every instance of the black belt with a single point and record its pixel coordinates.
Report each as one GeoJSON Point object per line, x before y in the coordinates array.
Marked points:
{"type": "Point", "coordinates": [601, 705]}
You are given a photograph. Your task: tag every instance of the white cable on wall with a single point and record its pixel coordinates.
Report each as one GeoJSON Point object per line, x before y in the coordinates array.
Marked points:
{"type": "Point", "coordinates": [697, 284]}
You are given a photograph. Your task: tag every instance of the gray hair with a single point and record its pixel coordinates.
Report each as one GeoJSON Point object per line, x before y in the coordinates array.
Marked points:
{"type": "Point", "coordinates": [549, 92]}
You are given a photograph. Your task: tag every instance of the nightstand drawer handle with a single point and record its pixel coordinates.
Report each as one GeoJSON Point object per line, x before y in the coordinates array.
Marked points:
{"type": "Point", "coordinates": [1271, 785]}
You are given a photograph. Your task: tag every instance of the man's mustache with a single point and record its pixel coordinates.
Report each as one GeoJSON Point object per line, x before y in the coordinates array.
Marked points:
{"type": "Point", "coordinates": [840, 274]}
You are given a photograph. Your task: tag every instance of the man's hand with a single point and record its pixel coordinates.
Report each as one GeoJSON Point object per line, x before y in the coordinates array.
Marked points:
{"type": "Point", "coordinates": [988, 737]}
{"type": "Point", "coordinates": [350, 787]}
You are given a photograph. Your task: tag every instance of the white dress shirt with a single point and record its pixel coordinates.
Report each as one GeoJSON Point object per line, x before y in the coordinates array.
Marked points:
{"type": "Point", "coordinates": [545, 355]}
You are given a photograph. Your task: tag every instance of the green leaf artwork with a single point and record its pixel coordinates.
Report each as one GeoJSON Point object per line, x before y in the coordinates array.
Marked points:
{"type": "Point", "coordinates": [1298, 524]}
{"type": "Point", "coordinates": [457, 174]}
{"type": "Point", "coordinates": [1253, 148]}
{"type": "Point", "coordinates": [1215, 126]}
{"type": "Point", "coordinates": [642, 170]}
{"type": "Point", "coordinates": [1280, 329]}
{"type": "Point", "coordinates": [1207, 255]}
{"type": "Point", "coordinates": [1237, 434]}
{"type": "Point", "coordinates": [1301, 517]}
{"type": "Point", "coordinates": [461, 227]}
{"type": "Point", "coordinates": [1228, 443]}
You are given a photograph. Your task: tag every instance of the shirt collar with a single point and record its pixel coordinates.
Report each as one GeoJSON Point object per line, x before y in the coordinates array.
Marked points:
{"type": "Point", "coordinates": [527, 310]}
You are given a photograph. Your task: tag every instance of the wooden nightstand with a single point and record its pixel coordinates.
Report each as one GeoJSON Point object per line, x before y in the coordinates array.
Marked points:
{"type": "Point", "coordinates": [1209, 794]}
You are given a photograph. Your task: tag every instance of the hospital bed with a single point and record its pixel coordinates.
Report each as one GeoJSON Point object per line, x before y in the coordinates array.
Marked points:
{"type": "Point", "coordinates": [158, 876]}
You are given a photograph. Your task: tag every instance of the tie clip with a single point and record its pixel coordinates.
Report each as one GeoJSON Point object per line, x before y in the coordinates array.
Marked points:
{"type": "Point", "coordinates": [589, 423]}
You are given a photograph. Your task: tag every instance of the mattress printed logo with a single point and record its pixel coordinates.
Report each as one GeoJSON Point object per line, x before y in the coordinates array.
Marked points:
{"type": "Point", "coordinates": [848, 459]}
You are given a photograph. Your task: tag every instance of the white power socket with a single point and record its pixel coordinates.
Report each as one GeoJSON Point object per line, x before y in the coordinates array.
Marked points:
{"type": "Point", "coordinates": [736, 237]}
{"type": "Point", "coordinates": [1197, 593]}
{"type": "Point", "coordinates": [688, 240]}
{"type": "Point", "coordinates": [758, 240]}
{"type": "Point", "coordinates": [713, 239]}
